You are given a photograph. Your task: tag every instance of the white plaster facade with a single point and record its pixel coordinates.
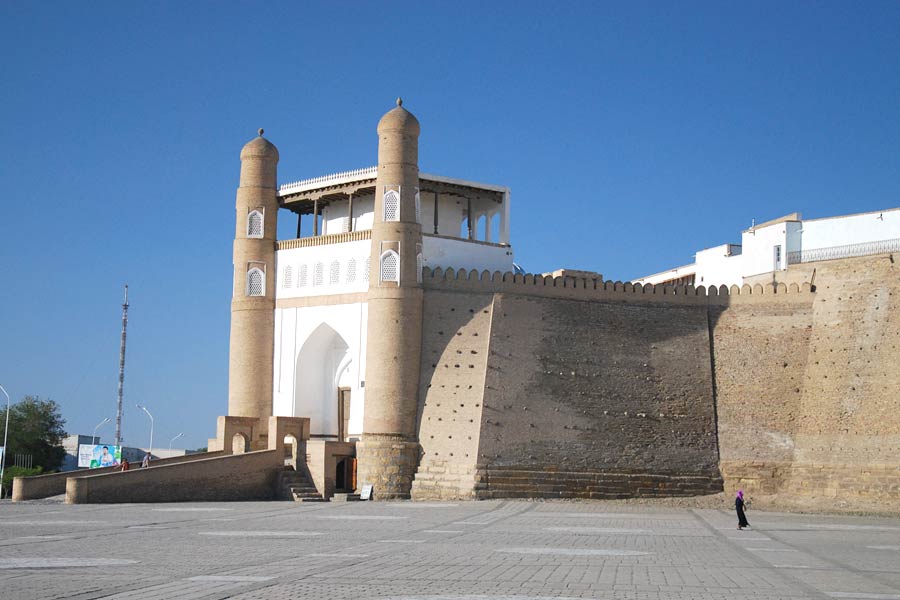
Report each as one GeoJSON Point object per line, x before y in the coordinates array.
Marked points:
{"type": "Point", "coordinates": [772, 246]}
{"type": "Point", "coordinates": [320, 340]}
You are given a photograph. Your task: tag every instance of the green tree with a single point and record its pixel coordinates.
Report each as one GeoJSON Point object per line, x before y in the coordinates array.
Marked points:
{"type": "Point", "coordinates": [35, 428]}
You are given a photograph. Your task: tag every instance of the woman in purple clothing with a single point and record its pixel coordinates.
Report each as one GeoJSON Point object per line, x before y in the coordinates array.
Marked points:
{"type": "Point", "coordinates": [739, 507]}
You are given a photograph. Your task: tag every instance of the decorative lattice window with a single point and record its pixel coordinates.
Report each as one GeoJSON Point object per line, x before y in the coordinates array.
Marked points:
{"type": "Point", "coordinates": [255, 224]}
{"type": "Point", "coordinates": [334, 275]}
{"type": "Point", "coordinates": [288, 278]}
{"type": "Point", "coordinates": [366, 270]}
{"type": "Point", "coordinates": [419, 261]}
{"type": "Point", "coordinates": [301, 278]}
{"type": "Point", "coordinates": [391, 205]}
{"type": "Point", "coordinates": [256, 282]}
{"type": "Point", "coordinates": [390, 267]}
{"type": "Point", "coordinates": [319, 274]}
{"type": "Point", "coordinates": [351, 270]}
{"type": "Point", "coordinates": [345, 224]}
{"type": "Point", "coordinates": [418, 207]}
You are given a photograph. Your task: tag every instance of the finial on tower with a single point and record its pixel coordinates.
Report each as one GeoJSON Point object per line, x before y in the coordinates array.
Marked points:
{"type": "Point", "coordinates": [399, 101]}
{"type": "Point", "coordinates": [261, 131]}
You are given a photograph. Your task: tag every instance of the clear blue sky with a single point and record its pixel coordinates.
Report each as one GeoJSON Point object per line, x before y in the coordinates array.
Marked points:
{"type": "Point", "coordinates": [631, 134]}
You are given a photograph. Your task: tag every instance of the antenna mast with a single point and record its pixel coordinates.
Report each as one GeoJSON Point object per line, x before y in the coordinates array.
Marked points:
{"type": "Point", "coordinates": [121, 369]}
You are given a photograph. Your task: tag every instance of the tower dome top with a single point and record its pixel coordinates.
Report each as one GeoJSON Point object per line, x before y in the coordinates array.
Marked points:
{"type": "Point", "coordinates": [259, 147]}
{"type": "Point", "coordinates": [399, 119]}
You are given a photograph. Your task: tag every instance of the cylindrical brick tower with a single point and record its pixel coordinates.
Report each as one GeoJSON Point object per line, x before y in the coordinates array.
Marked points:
{"type": "Point", "coordinates": [388, 453]}
{"type": "Point", "coordinates": [253, 298]}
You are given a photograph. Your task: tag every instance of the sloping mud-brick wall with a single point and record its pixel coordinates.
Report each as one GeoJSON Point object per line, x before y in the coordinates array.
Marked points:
{"type": "Point", "coordinates": [597, 399]}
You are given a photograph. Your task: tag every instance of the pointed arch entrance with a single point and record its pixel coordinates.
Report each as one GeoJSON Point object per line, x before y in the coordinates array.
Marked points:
{"type": "Point", "coordinates": [323, 380]}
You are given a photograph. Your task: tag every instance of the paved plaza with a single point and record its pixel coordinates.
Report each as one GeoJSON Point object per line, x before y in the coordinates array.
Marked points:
{"type": "Point", "coordinates": [438, 551]}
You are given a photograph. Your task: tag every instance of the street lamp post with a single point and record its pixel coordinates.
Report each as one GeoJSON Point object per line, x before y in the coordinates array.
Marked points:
{"type": "Point", "coordinates": [175, 438]}
{"type": "Point", "coordinates": [5, 434]}
{"type": "Point", "coordinates": [144, 408]}
{"type": "Point", "coordinates": [99, 425]}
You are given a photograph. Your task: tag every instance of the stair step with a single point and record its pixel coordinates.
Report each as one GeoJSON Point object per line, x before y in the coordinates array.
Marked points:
{"type": "Point", "coordinates": [345, 498]}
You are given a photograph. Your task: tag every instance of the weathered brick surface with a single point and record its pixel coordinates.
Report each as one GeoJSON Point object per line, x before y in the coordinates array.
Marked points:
{"type": "Point", "coordinates": [583, 394]}
{"type": "Point", "coordinates": [454, 362]}
{"type": "Point", "coordinates": [250, 476]}
{"type": "Point", "coordinates": [760, 355]}
{"type": "Point", "coordinates": [824, 431]}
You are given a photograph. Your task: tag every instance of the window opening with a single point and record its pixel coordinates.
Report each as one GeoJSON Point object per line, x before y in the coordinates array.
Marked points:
{"type": "Point", "coordinates": [255, 224]}
{"type": "Point", "coordinates": [391, 205]}
{"type": "Point", "coordinates": [390, 266]}
{"type": "Point", "coordinates": [351, 270]}
{"type": "Point", "coordinates": [256, 282]}
{"type": "Point", "coordinates": [319, 274]}
{"type": "Point", "coordinates": [301, 278]}
{"type": "Point", "coordinates": [334, 275]}
{"type": "Point", "coordinates": [418, 207]}
{"type": "Point", "coordinates": [288, 277]}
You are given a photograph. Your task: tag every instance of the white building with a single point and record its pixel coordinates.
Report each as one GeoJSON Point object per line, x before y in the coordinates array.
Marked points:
{"type": "Point", "coordinates": [321, 309]}
{"type": "Point", "coordinates": [774, 245]}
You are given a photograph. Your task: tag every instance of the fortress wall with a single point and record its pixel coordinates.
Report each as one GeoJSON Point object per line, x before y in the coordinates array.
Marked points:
{"type": "Point", "coordinates": [760, 357]}
{"type": "Point", "coordinates": [574, 288]}
{"type": "Point", "coordinates": [455, 338]}
{"type": "Point", "coordinates": [848, 431]}
{"type": "Point", "coordinates": [597, 399]}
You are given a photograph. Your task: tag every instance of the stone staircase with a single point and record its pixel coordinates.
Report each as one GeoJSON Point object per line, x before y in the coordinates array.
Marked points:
{"type": "Point", "coordinates": [296, 486]}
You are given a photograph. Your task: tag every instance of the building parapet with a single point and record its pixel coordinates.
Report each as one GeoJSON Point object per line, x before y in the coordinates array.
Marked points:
{"type": "Point", "coordinates": [332, 179]}
{"type": "Point", "coordinates": [845, 251]}
{"type": "Point", "coordinates": [322, 240]}
{"type": "Point", "coordinates": [589, 289]}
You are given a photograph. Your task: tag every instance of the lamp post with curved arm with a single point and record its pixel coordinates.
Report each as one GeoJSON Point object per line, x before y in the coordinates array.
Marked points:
{"type": "Point", "coordinates": [5, 434]}
{"type": "Point", "coordinates": [144, 408]}
{"type": "Point", "coordinates": [175, 438]}
{"type": "Point", "coordinates": [99, 425]}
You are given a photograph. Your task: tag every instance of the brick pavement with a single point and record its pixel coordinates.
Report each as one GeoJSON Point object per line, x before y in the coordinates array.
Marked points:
{"type": "Point", "coordinates": [438, 551]}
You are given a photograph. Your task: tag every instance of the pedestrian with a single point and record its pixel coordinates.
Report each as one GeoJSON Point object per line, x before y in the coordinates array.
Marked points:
{"type": "Point", "coordinates": [125, 464]}
{"type": "Point", "coordinates": [146, 462]}
{"type": "Point", "coordinates": [739, 507]}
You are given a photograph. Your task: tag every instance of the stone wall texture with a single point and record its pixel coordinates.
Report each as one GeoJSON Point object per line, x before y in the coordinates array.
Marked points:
{"type": "Point", "coordinates": [554, 388]}
{"type": "Point", "coordinates": [597, 400]}
{"type": "Point", "coordinates": [842, 436]}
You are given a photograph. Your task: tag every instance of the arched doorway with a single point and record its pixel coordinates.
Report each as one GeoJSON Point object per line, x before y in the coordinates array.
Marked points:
{"type": "Point", "coordinates": [323, 381]}
{"type": "Point", "coordinates": [239, 443]}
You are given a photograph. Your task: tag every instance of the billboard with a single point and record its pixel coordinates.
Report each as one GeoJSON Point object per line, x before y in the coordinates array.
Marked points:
{"type": "Point", "coordinates": [99, 455]}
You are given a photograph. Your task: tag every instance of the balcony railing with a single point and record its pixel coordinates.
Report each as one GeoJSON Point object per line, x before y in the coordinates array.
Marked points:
{"type": "Point", "coordinates": [332, 179]}
{"type": "Point", "coordinates": [847, 251]}
{"type": "Point", "coordinates": [322, 240]}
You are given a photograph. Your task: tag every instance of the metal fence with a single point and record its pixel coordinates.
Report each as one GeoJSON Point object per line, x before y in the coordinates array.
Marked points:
{"type": "Point", "coordinates": [848, 251]}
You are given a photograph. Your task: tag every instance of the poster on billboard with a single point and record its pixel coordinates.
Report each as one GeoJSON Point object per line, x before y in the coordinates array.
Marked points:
{"type": "Point", "coordinates": [95, 456]}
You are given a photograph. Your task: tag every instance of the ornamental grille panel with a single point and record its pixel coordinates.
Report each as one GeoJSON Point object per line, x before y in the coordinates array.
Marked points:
{"type": "Point", "coordinates": [301, 279]}
{"type": "Point", "coordinates": [392, 204]}
{"type": "Point", "coordinates": [255, 224]}
{"type": "Point", "coordinates": [390, 266]}
{"type": "Point", "coordinates": [334, 275]}
{"type": "Point", "coordinates": [256, 283]}
{"type": "Point", "coordinates": [366, 270]}
{"type": "Point", "coordinates": [288, 277]}
{"type": "Point", "coordinates": [351, 271]}
{"type": "Point", "coordinates": [319, 274]}
{"type": "Point", "coordinates": [345, 224]}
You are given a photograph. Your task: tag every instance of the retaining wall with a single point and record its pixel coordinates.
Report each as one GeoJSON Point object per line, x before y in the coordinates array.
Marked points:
{"type": "Point", "coordinates": [54, 484]}
{"type": "Point", "coordinates": [249, 476]}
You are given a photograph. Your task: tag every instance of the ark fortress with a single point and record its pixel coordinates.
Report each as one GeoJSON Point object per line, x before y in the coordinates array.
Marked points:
{"type": "Point", "coordinates": [401, 331]}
